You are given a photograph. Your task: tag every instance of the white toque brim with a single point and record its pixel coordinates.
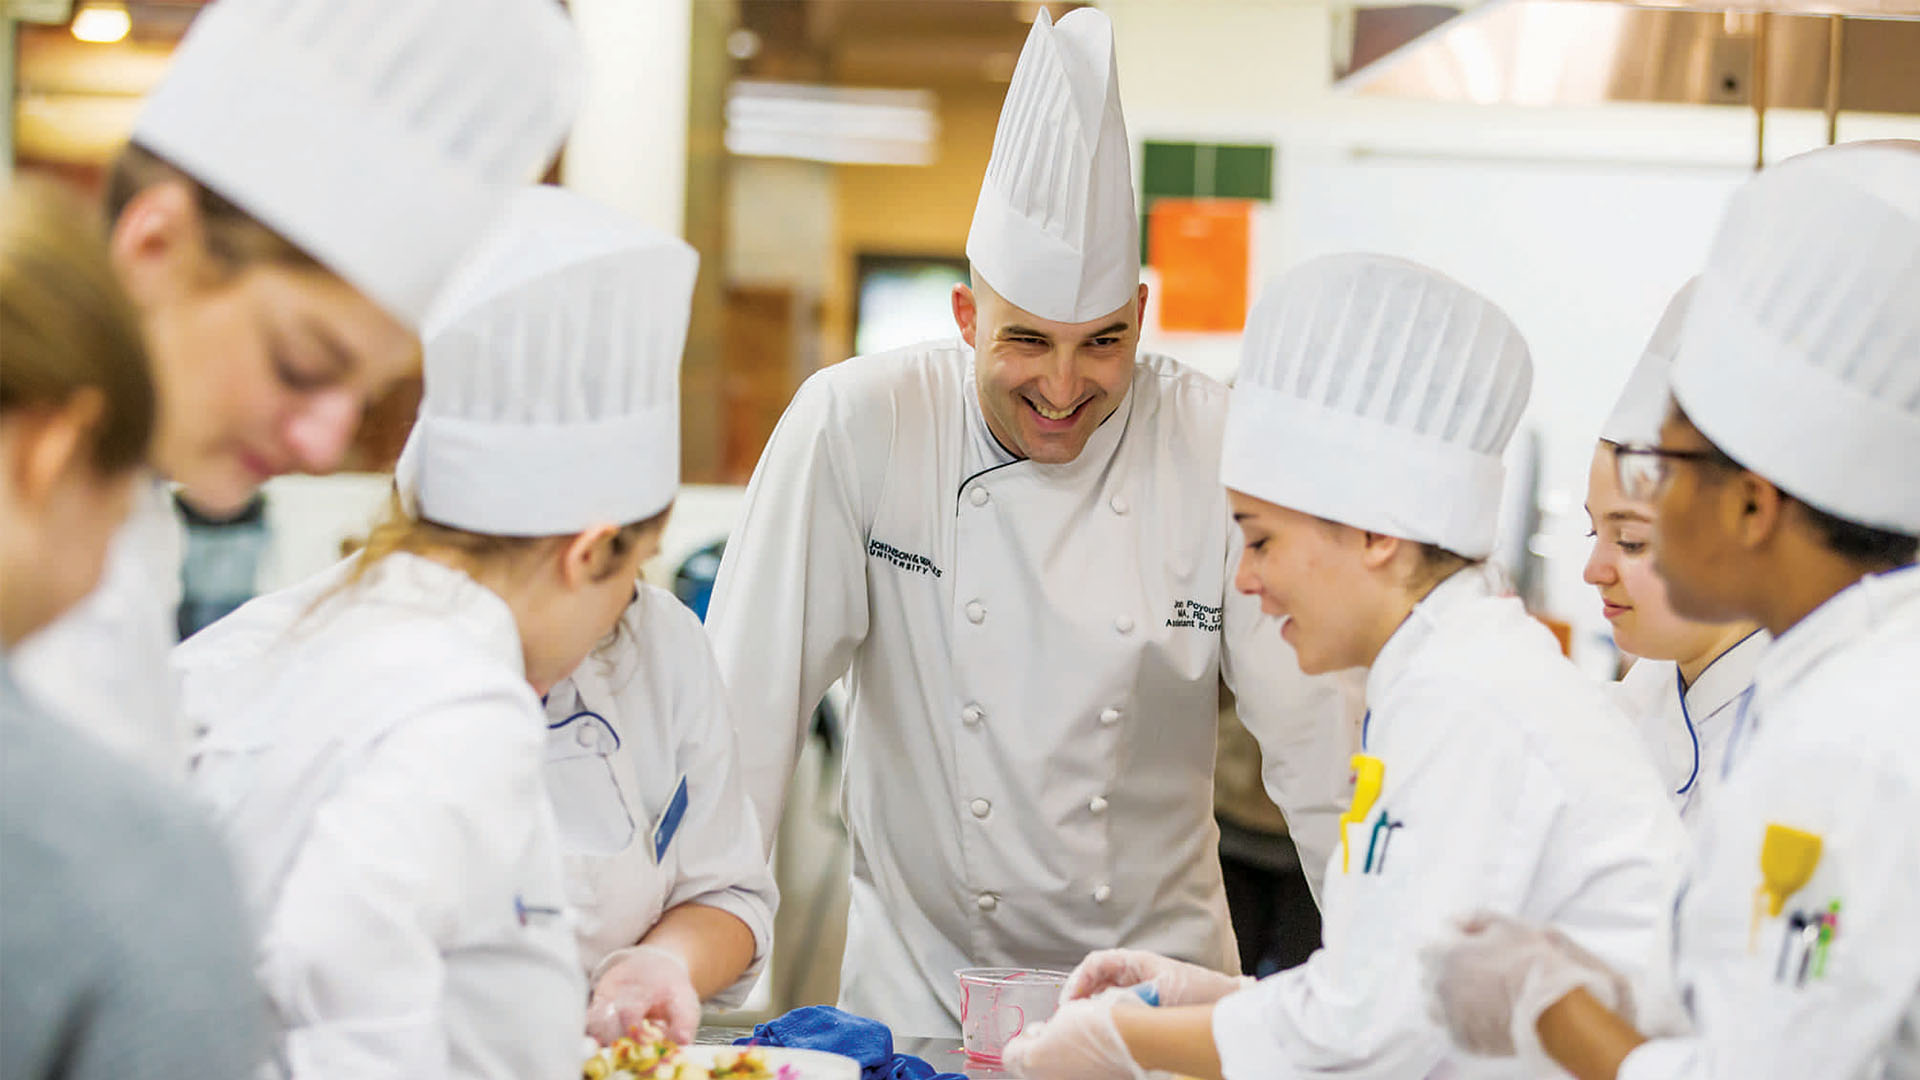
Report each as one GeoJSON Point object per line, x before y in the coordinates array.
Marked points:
{"type": "Point", "coordinates": [1358, 472]}
{"type": "Point", "coordinates": [1823, 441]}
{"type": "Point", "coordinates": [546, 480]}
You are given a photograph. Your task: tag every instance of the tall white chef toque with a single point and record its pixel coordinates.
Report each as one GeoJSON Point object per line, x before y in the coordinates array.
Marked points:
{"type": "Point", "coordinates": [1380, 394]}
{"type": "Point", "coordinates": [552, 397]}
{"type": "Point", "coordinates": [379, 136]}
{"type": "Point", "coordinates": [1801, 356]}
{"type": "Point", "coordinates": [1055, 232]}
{"type": "Point", "coordinates": [1636, 417]}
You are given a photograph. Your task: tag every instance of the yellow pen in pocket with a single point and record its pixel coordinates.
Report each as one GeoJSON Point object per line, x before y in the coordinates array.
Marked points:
{"type": "Point", "coordinates": [1369, 773]}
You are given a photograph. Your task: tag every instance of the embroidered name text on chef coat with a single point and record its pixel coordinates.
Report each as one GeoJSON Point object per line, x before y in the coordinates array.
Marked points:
{"type": "Point", "coordinates": [1195, 615]}
{"type": "Point", "coordinates": [905, 560]}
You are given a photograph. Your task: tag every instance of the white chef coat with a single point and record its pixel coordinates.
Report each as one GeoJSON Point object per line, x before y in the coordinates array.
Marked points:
{"type": "Point", "coordinates": [103, 664]}
{"type": "Point", "coordinates": [639, 719]}
{"type": "Point", "coordinates": [1512, 783]}
{"type": "Point", "coordinates": [1686, 731]}
{"type": "Point", "coordinates": [375, 764]}
{"type": "Point", "coordinates": [1829, 744]}
{"type": "Point", "coordinates": [1033, 656]}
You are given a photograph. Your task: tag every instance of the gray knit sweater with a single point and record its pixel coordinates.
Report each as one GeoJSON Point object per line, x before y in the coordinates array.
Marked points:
{"type": "Point", "coordinates": [123, 949]}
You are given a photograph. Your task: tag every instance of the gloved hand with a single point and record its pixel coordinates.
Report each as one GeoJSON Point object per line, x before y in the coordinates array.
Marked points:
{"type": "Point", "coordinates": [1081, 1042]}
{"type": "Point", "coordinates": [643, 982]}
{"type": "Point", "coordinates": [1178, 982]}
{"type": "Point", "coordinates": [1489, 981]}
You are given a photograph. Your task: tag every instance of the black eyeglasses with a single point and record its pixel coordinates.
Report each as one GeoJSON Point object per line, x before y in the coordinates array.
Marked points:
{"type": "Point", "coordinates": [1644, 470]}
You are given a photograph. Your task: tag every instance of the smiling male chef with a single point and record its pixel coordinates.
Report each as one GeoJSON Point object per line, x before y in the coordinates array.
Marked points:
{"type": "Point", "coordinates": [1016, 549]}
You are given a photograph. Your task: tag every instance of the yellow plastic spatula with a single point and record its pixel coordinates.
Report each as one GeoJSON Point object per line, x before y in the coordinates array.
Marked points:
{"type": "Point", "coordinates": [1788, 857]}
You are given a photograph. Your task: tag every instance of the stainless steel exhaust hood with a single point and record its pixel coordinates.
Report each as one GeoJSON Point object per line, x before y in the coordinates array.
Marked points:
{"type": "Point", "coordinates": [1838, 55]}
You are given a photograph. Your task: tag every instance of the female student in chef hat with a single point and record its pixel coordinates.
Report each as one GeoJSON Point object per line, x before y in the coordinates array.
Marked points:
{"type": "Point", "coordinates": [1363, 463]}
{"type": "Point", "coordinates": [295, 191]}
{"type": "Point", "coordinates": [1685, 685]}
{"type": "Point", "coordinates": [374, 738]}
{"type": "Point", "coordinates": [122, 936]}
{"type": "Point", "coordinates": [1784, 488]}
{"type": "Point", "coordinates": [665, 869]}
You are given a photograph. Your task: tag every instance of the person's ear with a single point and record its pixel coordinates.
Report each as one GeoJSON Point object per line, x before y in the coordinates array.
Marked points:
{"type": "Point", "coordinates": [586, 556]}
{"type": "Point", "coordinates": [1140, 312]}
{"type": "Point", "coordinates": [159, 244]}
{"type": "Point", "coordinates": [1756, 510]}
{"type": "Point", "coordinates": [49, 442]}
{"type": "Point", "coordinates": [1378, 550]}
{"type": "Point", "coordinates": [966, 312]}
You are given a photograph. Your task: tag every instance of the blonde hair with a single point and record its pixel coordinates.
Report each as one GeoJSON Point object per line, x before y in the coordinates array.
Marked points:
{"type": "Point", "coordinates": [400, 532]}
{"type": "Point", "coordinates": [65, 326]}
{"type": "Point", "coordinates": [234, 237]}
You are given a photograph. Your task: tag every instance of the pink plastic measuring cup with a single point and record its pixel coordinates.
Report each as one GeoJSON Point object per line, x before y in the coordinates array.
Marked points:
{"type": "Point", "coordinates": [998, 1003]}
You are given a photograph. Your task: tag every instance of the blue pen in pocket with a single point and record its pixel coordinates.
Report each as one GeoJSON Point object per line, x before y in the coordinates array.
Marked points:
{"type": "Point", "coordinates": [669, 822]}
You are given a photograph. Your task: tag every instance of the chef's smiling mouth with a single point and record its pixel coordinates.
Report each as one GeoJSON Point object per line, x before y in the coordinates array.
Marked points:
{"type": "Point", "coordinates": [1049, 413]}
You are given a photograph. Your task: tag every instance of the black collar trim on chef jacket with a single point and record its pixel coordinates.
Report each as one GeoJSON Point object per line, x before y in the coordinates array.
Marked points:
{"type": "Point", "coordinates": [1018, 459]}
{"type": "Point", "coordinates": [961, 490]}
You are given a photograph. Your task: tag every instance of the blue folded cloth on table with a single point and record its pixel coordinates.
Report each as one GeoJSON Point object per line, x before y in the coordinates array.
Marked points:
{"type": "Point", "coordinates": [869, 1042]}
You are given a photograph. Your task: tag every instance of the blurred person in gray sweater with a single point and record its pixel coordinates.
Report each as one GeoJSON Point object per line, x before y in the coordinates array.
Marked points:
{"type": "Point", "coordinates": [123, 950]}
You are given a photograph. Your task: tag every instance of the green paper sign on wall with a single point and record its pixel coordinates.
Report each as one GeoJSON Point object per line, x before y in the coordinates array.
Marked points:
{"type": "Point", "coordinates": [1202, 171]}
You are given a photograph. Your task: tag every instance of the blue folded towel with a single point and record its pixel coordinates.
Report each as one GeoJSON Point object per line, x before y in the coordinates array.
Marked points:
{"type": "Point", "coordinates": [869, 1042]}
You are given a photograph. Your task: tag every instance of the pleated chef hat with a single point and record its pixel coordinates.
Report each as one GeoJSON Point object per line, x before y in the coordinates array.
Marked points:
{"type": "Point", "coordinates": [1636, 417]}
{"type": "Point", "coordinates": [1380, 394]}
{"type": "Point", "coordinates": [553, 375]}
{"type": "Point", "coordinates": [1055, 232]}
{"type": "Point", "coordinates": [1801, 356]}
{"type": "Point", "coordinates": [380, 136]}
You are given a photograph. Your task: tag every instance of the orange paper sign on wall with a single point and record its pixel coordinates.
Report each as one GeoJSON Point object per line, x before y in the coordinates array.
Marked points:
{"type": "Point", "coordinates": [1199, 249]}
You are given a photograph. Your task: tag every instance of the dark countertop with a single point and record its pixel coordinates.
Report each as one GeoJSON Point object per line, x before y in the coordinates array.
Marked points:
{"type": "Point", "coordinates": [943, 1054]}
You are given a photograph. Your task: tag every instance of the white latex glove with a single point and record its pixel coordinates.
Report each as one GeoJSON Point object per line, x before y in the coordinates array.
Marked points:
{"type": "Point", "coordinates": [1489, 981]}
{"type": "Point", "coordinates": [1178, 982]}
{"type": "Point", "coordinates": [643, 982]}
{"type": "Point", "coordinates": [1081, 1042]}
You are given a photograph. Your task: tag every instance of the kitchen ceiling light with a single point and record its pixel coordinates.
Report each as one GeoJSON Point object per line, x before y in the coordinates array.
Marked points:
{"type": "Point", "coordinates": [102, 22]}
{"type": "Point", "coordinates": [830, 123]}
